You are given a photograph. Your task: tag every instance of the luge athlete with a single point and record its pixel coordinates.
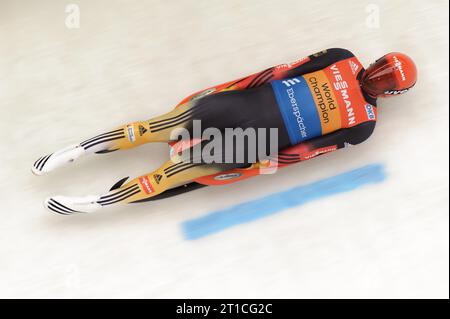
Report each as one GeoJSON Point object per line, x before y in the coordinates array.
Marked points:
{"type": "Point", "coordinates": [319, 104]}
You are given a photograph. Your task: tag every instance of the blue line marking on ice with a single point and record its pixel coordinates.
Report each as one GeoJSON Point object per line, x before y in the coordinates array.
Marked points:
{"type": "Point", "coordinates": [265, 206]}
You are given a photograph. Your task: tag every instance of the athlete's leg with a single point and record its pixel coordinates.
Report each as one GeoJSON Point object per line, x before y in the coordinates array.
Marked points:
{"type": "Point", "coordinates": [255, 109]}
{"type": "Point", "coordinates": [170, 175]}
{"type": "Point", "coordinates": [127, 136]}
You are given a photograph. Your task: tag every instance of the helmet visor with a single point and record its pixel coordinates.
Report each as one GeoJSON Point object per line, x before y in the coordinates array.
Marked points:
{"type": "Point", "coordinates": [380, 78]}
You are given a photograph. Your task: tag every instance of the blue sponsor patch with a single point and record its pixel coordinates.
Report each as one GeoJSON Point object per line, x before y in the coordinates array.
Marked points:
{"type": "Point", "coordinates": [370, 112]}
{"type": "Point", "coordinates": [298, 109]}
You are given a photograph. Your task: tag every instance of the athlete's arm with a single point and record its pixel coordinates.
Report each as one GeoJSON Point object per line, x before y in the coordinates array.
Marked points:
{"type": "Point", "coordinates": [326, 143]}
{"type": "Point", "coordinates": [302, 66]}
{"type": "Point", "coordinates": [319, 61]}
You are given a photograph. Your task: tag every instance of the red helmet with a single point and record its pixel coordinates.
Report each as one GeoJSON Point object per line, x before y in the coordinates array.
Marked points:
{"type": "Point", "coordinates": [394, 73]}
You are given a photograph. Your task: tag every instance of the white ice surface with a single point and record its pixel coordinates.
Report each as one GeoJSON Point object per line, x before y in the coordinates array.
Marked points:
{"type": "Point", "coordinates": [131, 60]}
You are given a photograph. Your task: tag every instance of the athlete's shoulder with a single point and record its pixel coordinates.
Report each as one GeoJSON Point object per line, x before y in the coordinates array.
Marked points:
{"type": "Point", "coordinates": [336, 54]}
{"type": "Point", "coordinates": [328, 57]}
{"type": "Point", "coordinates": [319, 61]}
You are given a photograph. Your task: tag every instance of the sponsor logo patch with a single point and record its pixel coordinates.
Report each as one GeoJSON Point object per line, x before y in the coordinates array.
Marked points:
{"type": "Point", "coordinates": [142, 130]}
{"type": "Point", "coordinates": [298, 109]}
{"type": "Point", "coordinates": [327, 107]}
{"type": "Point", "coordinates": [157, 178]}
{"type": "Point", "coordinates": [320, 53]}
{"type": "Point", "coordinates": [370, 112]}
{"type": "Point", "coordinates": [317, 152]}
{"type": "Point", "coordinates": [146, 185]}
{"type": "Point", "coordinates": [342, 87]}
{"type": "Point", "coordinates": [353, 66]}
{"type": "Point", "coordinates": [290, 82]}
{"type": "Point", "coordinates": [395, 92]}
{"type": "Point", "coordinates": [131, 136]}
{"type": "Point", "coordinates": [399, 66]}
{"type": "Point", "coordinates": [291, 64]}
{"type": "Point", "coordinates": [225, 177]}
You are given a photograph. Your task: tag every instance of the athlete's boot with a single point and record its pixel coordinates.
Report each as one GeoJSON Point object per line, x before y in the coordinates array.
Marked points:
{"type": "Point", "coordinates": [72, 205]}
{"type": "Point", "coordinates": [67, 205]}
{"type": "Point", "coordinates": [48, 163]}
